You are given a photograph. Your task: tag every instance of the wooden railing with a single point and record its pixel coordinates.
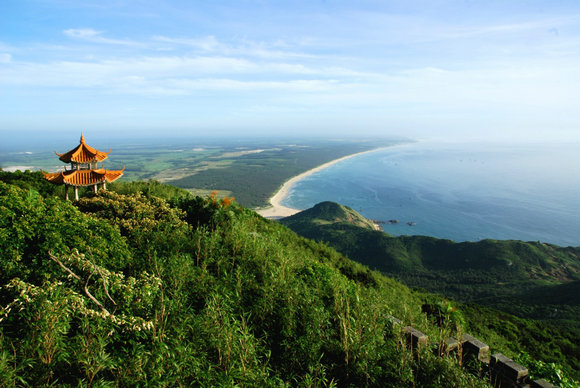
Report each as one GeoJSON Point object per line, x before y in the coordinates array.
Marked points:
{"type": "Point", "coordinates": [501, 371]}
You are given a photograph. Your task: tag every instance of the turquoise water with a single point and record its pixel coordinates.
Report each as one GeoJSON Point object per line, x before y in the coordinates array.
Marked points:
{"type": "Point", "coordinates": [462, 192]}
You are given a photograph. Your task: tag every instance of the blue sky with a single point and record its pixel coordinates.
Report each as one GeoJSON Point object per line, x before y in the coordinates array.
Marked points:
{"type": "Point", "coordinates": [423, 69]}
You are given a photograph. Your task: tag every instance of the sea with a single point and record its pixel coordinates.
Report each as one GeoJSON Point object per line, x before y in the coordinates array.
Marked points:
{"type": "Point", "coordinates": [458, 191]}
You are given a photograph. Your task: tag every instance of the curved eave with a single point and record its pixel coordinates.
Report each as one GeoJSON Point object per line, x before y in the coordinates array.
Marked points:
{"type": "Point", "coordinates": [55, 178]}
{"type": "Point", "coordinates": [84, 177]}
{"type": "Point", "coordinates": [111, 175]}
{"type": "Point", "coordinates": [83, 154]}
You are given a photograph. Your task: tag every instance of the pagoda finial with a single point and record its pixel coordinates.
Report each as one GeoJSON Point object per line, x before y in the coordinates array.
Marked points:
{"type": "Point", "coordinates": [82, 138]}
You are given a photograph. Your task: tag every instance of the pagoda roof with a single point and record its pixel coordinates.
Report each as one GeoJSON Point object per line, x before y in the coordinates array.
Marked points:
{"type": "Point", "coordinates": [83, 153]}
{"type": "Point", "coordinates": [83, 177]}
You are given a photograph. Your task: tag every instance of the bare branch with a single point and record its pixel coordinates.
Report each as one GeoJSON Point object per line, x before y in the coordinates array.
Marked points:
{"type": "Point", "coordinates": [105, 287]}
{"type": "Point", "coordinates": [103, 279]}
{"type": "Point", "coordinates": [86, 288]}
{"type": "Point", "coordinates": [64, 267]}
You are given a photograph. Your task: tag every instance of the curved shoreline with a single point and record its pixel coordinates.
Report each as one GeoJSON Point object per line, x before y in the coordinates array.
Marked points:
{"type": "Point", "coordinates": [277, 210]}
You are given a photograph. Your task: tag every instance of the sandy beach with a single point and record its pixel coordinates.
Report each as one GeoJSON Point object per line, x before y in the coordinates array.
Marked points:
{"type": "Point", "coordinates": [276, 210]}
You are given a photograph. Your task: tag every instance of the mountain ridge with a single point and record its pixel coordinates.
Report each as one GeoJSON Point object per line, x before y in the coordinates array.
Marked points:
{"type": "Point", "coordinates": [533, 260]}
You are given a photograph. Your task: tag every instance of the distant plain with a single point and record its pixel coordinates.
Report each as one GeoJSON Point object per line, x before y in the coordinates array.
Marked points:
{"type": "Point", "coordinates": [251, 170]}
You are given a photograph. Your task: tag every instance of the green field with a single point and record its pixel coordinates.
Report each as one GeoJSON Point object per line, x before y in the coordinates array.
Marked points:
{"type": "Point", "coordinates": [250, 170]}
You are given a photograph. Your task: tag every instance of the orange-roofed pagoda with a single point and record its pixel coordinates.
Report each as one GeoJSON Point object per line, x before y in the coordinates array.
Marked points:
{"type": "Point", "coordinates": [83, 169]}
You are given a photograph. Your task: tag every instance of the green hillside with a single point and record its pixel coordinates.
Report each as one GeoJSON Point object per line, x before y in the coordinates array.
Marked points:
{"type": "Point", "coordinates": [135, 290]}
{"type": "Point", "coordinates": [484, 269]}
{"type": "Point", "coordinates": [527, 279]}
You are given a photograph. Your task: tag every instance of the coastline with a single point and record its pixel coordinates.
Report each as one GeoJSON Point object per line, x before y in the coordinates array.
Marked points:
{"type": "Point", "coordinates": [276, 210]}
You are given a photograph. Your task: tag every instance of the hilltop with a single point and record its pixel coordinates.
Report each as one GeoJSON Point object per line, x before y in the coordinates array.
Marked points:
{"type": "Point", "coordinates": [327, 213]}
{"type": "Point", "coordinates": [158, 287]}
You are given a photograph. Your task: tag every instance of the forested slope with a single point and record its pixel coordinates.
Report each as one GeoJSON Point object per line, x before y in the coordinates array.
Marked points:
{"type": "Point", "coordinates": [133, 290]}
{"type": "Point", "coordinates": [528, 279]}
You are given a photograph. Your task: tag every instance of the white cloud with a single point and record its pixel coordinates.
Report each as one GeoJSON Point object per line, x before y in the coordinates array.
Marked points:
{"type": "Point", "coordinates": [516, 86]}
{"type": "Point", "coordinates": [225, 84]}
{"type": "Point", "coordinates": [82, 33]}
{"type": "Point", "coordinates": [243, 48]}
{"type": "Point", "coordinates": [208, 43]}
{"type": "Point", "coordinates": [106, 73]}
{"type": "Point", "coordinates": [94, 36]}
{"type": "Point", "coordinates": [364, 65]}
{"type": "Point", "coordinates": [5, 58]}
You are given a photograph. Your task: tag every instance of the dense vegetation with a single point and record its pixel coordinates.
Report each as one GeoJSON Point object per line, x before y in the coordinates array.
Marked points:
{"type": "Point", "coordinates": [527, 279]}
{"type": "Point", "coordinates": [132, 290]}
{"type": "Point", "coordinates": [254, 178]}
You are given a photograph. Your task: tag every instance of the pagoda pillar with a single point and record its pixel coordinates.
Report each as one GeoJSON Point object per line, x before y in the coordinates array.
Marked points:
{"type": "Point", "coordinates": [95, 188]}
{"type": "Point", "coordinates": [66, 192]}
{"type": "Point", "coordinates": [104, 185]}
{"type": "Point", "coordinates": [76, 193]}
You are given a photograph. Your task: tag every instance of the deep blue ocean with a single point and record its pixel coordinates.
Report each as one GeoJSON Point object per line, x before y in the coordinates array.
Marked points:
{"type": "Point", "coordinates": [459, 191]}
